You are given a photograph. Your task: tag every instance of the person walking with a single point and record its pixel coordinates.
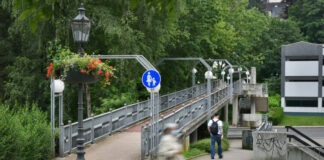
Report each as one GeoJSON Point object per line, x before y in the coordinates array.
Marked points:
{"type": "Point", "coordinates": [170, 148]}
{"type": "Point", "coordinates": [215, 128]}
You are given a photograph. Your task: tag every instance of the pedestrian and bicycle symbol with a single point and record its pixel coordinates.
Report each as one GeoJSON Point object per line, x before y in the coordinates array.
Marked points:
{"type": "Point", "coordinates": [151, 79]}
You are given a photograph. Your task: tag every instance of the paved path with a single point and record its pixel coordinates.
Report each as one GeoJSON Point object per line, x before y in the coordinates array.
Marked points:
{"type": "Point", "coordinates": [235, 152]}
{"type": "Point", "coordinates": [120, 146]}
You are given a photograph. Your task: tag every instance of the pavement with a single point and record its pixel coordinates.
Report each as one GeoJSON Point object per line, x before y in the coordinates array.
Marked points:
{"type": "Point", "coordinates": [120, 146]}
{"type": "Point", "coordinates": [235, 152]}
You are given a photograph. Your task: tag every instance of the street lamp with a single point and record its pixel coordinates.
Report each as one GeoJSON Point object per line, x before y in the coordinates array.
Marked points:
{"type": "Point", "coordinates": [80, 29]}
{"type": "Point", "coordinates": [209, 75]}
{"type": "Point", "coordinates": [231, 71]}
{"type": "Point", "coordinates": [240, 81]}
{"type": "Point", "coordinates": [194, 71]}
{"type": "Point", "coordinates": [81, 26]}
{"type": "Point", "coordinates": [58, 86]}
{"type": "Point", "coordinates": [223, 74]}
{"type": "Point", "coordinates": [247, 76]}
{"type": "Point", "coordinates": [215, 64]}
{"type": "Point", "coordinates": [228, 78]}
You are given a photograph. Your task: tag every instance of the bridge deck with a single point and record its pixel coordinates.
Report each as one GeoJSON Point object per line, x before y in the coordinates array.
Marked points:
{"type": "Point", "coordinates": [125, 145]}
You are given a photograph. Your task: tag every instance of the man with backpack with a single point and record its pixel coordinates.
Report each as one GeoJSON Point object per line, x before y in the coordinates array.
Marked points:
{"type": "Point", "coordinates": [215, 128]}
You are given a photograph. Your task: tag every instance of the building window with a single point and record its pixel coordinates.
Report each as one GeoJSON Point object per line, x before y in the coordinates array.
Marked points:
{"type": "Point", "coordinates": [302, 102]}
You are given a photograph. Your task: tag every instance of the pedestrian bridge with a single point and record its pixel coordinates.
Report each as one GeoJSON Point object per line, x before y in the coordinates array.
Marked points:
{"type": "Point", "coordinates": [126, 133]}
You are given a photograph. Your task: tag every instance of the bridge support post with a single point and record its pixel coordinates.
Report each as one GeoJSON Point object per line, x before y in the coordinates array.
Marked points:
{"type": "Point", "coordinates": [235, 110]}
{"type": "Point", "coordinates": [226, 112]}
{"type": "Point", "coordinates": [252, 105]}
{"type": "Point", "coordinates": [186, 143]}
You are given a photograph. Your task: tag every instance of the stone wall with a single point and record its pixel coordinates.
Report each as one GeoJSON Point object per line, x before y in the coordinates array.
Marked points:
{"type": "Point", "coordinates": [270, 145]}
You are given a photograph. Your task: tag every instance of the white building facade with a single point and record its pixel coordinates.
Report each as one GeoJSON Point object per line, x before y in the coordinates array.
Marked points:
{"type": "Point", "coordinates": [302, 78]}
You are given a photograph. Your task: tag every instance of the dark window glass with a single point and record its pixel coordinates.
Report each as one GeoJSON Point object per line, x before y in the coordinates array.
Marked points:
{"type": "Point", "coordinates": [302, 103]}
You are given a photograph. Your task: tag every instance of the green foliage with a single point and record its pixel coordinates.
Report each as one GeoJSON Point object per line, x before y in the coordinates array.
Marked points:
{"type": "Point", "coordinates": [25, 133]}
{"type": "Point", "coordinates": [274, 101]}
{"type": "Point", "coordinates": [67, 61]}
{"type": "Point", "coordinates": [280, 33]}
{"type": "Point", "coordinates": [302, 121]}
{"type": "Point", "coordinates": [230, 29]}
{"type": "Point", "coordinates": [225, 129]}
{"type": "Point", "coordinates": [192, 152]}
{"type": "Point", "coordinates": [276, 115]}
{"type": "Point", "coordinates": [308, 15]}
{"type": "Point", "coordinates": [274, 84]}
{"type": "Point", "coordinates": [203, 146]}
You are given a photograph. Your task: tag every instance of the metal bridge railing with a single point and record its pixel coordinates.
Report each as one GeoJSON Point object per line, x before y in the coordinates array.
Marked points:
{"type": "Point", "coordinates": [182, 117]}
{"type": "Point", "coordinates": [107, 123]}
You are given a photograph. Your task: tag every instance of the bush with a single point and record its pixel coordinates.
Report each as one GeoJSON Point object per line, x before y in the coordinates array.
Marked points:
{"type": "Point", "coordinates": [203, 146]}
{"type": "Point", "coordinates": [275, 115]}
{"type": "Point", "coordinates": [24, 134]}
{"type": "Point", "coordinates": [274, 101]}
{"type": "Point", "coordinates": [225, 129]}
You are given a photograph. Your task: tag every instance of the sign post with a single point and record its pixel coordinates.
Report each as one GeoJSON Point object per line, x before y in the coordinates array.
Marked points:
{"type": "Point", "coordinates": [151, 80]}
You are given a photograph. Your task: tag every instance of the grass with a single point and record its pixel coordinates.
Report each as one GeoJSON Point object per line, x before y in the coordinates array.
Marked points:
{"type": "Point", "coordinates": [302, 121]}
{"type": "Point", "coordinates": [202, 147]}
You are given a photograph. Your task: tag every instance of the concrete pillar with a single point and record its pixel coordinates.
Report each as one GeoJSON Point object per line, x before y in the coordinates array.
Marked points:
{"type": "Point", "coordinates": [186, 143]}
{"type": "Point", "coordinates": [253, 75]}
{"type": "Point", "coordinates": [235, 110]}
{"type": "Point", "coordinates": [252, 105]}
{"type": "Point", "coordinates": [194, 136]}
{"type": "Point", "coordinates": [226, 112]}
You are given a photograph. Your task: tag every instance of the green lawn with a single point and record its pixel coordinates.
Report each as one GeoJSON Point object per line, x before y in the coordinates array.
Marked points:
{"type": "Point", "coordinates": [302, 121]}
{"type": "Point", "coordinates": [203, 146]}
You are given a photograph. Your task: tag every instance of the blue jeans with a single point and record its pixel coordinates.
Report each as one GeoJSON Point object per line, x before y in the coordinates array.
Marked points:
{"type": "Point", "coordinates": [218, 139]}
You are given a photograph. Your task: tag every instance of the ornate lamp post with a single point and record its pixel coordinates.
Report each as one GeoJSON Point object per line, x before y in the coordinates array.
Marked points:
{"type": "Point", "coordinates": [80, 28]}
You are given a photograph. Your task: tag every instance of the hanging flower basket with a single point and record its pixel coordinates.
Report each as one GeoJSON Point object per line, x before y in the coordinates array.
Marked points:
{"type": "Point", "coordinates": [78, 77]}
{"type": "Point", "coordinates": [77, 69]}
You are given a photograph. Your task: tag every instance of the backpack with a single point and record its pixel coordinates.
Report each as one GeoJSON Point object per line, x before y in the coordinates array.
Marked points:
{"type": "Point", "coordinates": [214, 127]}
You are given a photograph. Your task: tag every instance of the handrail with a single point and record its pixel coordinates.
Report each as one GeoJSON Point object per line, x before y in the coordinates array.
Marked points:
{"type": "Point", "coordinates": [112, 121]}
{"type": "Point", "coordinates": [290, 136]}
{"type": "Point", "coordinates": [303, 135]}
{"type": "Point", "coordinates": [182, 117]}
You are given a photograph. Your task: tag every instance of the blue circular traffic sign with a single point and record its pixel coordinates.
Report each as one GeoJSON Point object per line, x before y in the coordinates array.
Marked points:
{"type": "Point", "coordinates": [151, 79]}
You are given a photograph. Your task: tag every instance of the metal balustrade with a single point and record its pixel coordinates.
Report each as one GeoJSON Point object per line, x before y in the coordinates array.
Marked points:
{"type": "Point", "coordinates": [182, 117]}
{"type": "Point", "coordinates": [107, 123]}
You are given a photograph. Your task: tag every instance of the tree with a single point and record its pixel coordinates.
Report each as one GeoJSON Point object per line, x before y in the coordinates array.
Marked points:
{"type": "Point", "coordinates": [309, 17]}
